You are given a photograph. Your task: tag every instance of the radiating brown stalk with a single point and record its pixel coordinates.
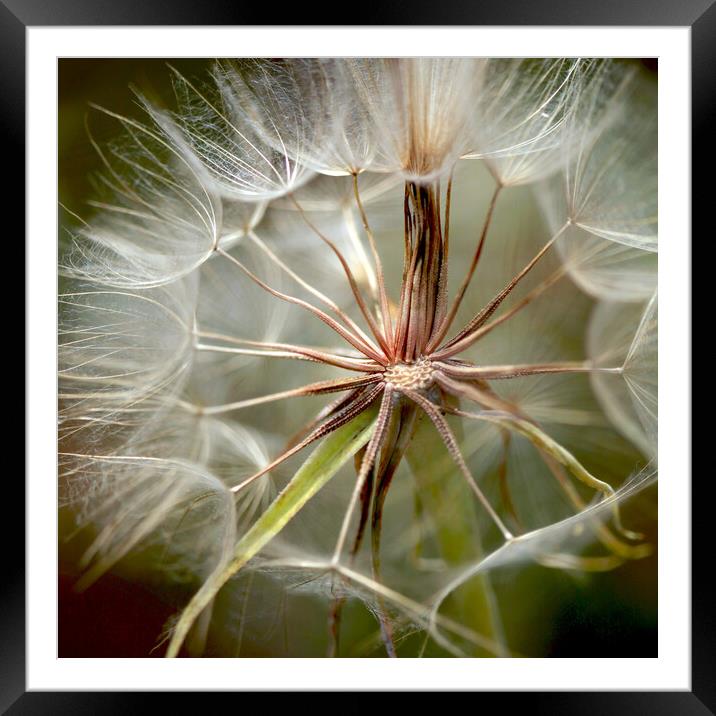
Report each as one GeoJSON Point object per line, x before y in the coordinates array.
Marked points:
{"type": "Point", "coordinates": [448, 438]}
{"type": "Point", "coordinates": [370, 351]}
{"type": "Point", "coordinates": [323, 386]}
{"type": "Point", "coordinates": [347, 320]}
{"type": "Point", "coordinates": [351, 279]}
{"type": "Point", "coordinates": [540, 440]}
{"type": "Point", "coordinates": [339, 601]}
{"type": "Point", "coordinates": [450, 317]}
{"type": "Point", "coordinates": [326, 412]}
{"type": "Point", "coordinates": [374, 446]}
{"type": "Point", "coordinates": [341, 417]}
{"type": "Point", "coordinates": [501, 372]}
{"type": "Point", "coordinates": [313, 354]}
{"type": "Point", "coordinates": [384, 308]}
{"type": "Point", "coordinates": [392, 456]}
{"type": "Point", "coordinates": [441, 306]}
{"type": "Point", "coordinates": [522, 303]}
{"type": "Point", "coordinates": [464, 338]}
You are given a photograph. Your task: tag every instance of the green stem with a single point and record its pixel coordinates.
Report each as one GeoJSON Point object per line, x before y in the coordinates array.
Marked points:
{"type": "Point", "coordinates": [450, 505]}
{"type": "Point", "coordinates": [323, 463]}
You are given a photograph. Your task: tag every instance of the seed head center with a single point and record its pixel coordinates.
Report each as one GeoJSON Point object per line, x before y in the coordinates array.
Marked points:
{"type": "Point", "coordinates": [410, 376]}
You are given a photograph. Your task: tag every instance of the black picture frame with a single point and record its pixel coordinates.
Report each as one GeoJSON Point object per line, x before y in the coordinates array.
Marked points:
{"type": "Point", "coordinates": [699, 15]}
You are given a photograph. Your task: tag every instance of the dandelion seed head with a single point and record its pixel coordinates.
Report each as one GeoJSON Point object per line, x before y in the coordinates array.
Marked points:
{"type": "Point", "coordinates": [297, 371]}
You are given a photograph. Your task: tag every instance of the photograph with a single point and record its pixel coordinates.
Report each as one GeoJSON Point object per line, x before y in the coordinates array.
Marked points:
{"type": "Point", "coordinates": [357, 357]}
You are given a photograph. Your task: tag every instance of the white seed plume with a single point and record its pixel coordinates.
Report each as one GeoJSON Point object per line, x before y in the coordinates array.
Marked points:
{"type": "Point", "coordinates": [625, 337]}
{"type": "Point", "coordinates": [610, 179]}
{"type": "Point", "coordinates": [160, 218]}
{"type": "Point", "coordinates": [421, 110]}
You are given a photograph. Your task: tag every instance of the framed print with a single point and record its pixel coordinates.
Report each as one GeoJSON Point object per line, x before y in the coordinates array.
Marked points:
{"type": "Point", "coordinates": [348, 343]}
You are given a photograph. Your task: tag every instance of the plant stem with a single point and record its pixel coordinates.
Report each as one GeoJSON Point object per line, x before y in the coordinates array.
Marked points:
{"type": "Point", "coordinates": [452, 512]}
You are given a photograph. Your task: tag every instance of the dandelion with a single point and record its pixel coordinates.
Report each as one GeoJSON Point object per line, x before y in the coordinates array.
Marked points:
{"type": "Point", "coordinates": [288, 270]}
